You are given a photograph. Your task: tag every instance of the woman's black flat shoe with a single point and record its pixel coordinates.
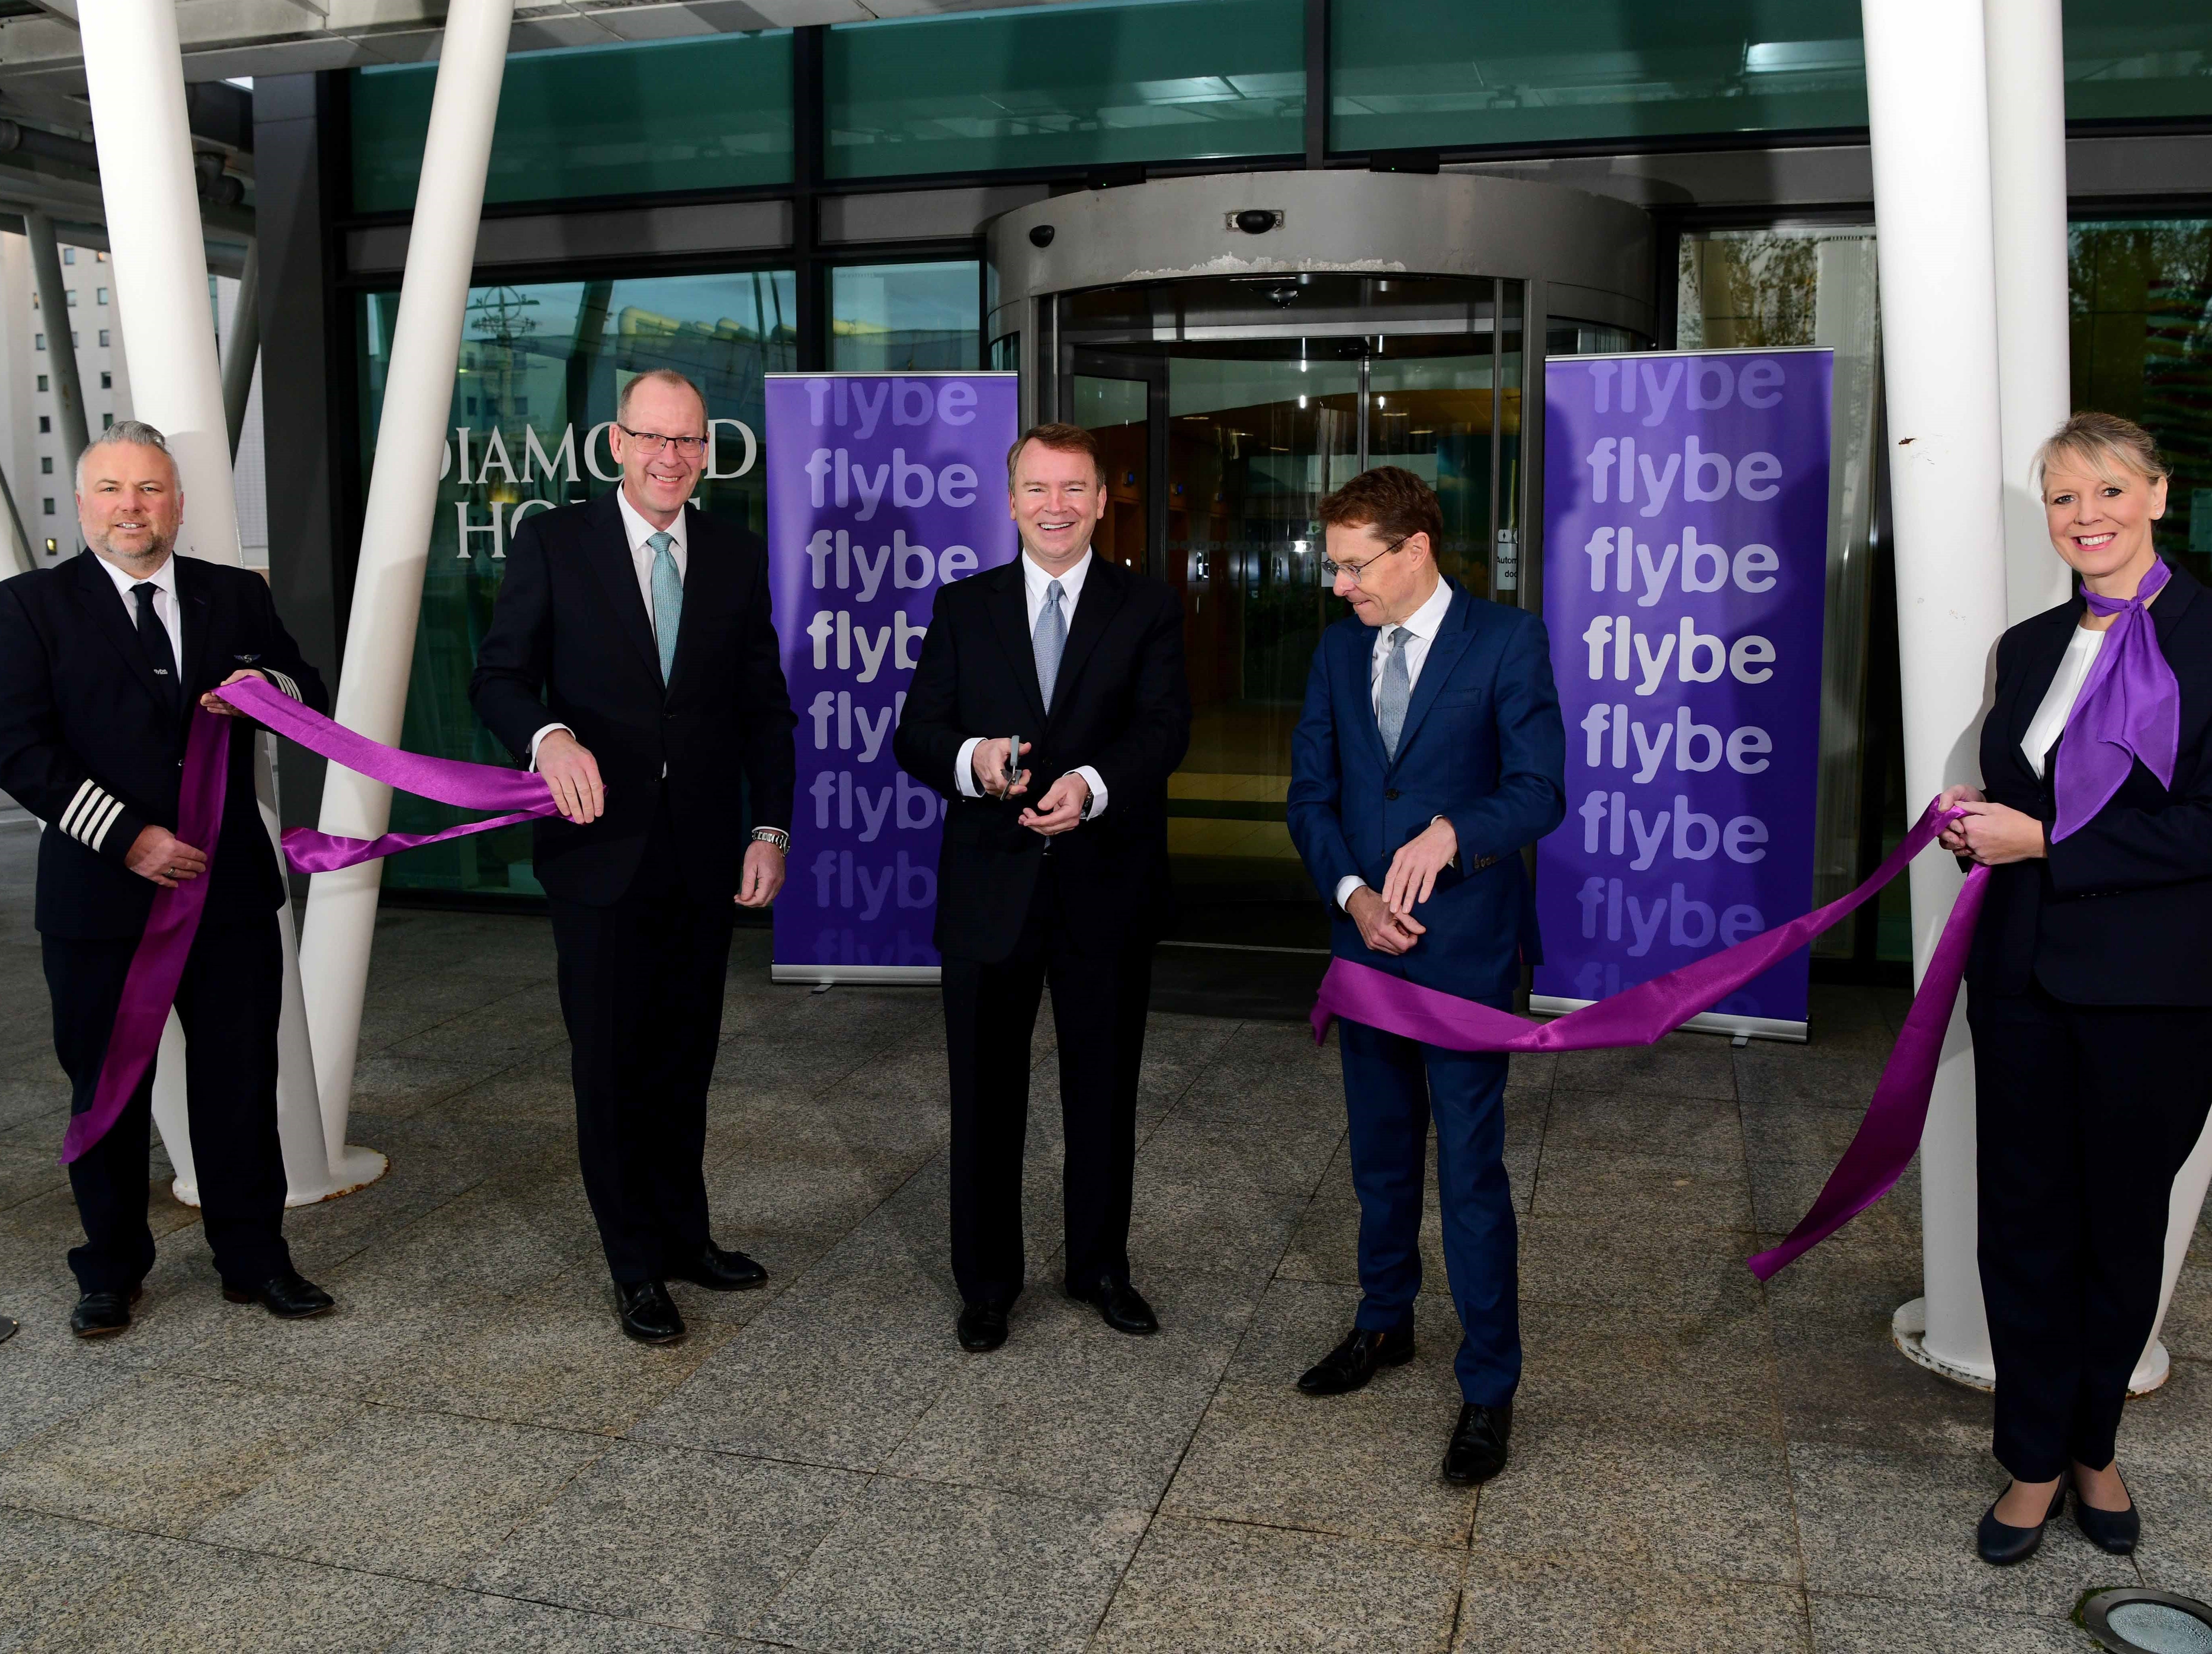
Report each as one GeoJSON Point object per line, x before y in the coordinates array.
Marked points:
{"type": "Point", "coordinates": [1999, 1544]}
{"type": "Point", "coordinates": [2116, 1531]}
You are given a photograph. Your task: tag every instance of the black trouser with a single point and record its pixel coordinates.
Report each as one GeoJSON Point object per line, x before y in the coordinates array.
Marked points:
{"type": "Point", "coordinates": [229, 1000]}
{"type": "Point", "coordinates": [641, 992]}
{"type": "Point", "coordinates": [2083, 1116]}
{"type": "Point", "coordinates": [1099, 1005]}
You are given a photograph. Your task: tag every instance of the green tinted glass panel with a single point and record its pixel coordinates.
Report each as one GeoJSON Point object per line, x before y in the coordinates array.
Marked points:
{"type": "Point", "coordinates": [698, 114]}
{"type": "Point", "coordinates": [540, 369]}
{"type": "Point", "coordinates": [1447, 74]}
{"type": "Point", "coordinates": [893, 318]}
{"type": "Point", "coordinates": [1070, 85]}
{"type": "Point", "coordinates": [2138, 59]}
{"type": "Point", "coordinates": [2142, 348]}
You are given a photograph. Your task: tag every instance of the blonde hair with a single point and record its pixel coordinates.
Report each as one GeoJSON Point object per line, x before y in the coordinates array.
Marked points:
{"type": "Point", "coordinates": [2105, 442]}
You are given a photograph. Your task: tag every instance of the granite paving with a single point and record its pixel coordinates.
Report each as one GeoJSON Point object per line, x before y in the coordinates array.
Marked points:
{"type": "Point", "coordinates": [468, 1455]}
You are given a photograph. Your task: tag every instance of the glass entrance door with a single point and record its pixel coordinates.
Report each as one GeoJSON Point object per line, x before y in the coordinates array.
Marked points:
{"type": "Point", "coordinates": [1218, 450]}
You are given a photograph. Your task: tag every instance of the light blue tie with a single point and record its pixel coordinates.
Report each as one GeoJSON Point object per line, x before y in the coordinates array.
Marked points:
{"type": "Point", "coordinates": [1397, 690]}
{"type": "Point", "coordinates": [1050, 641]}
{"type": "Point", "coordinates": [667, 598]}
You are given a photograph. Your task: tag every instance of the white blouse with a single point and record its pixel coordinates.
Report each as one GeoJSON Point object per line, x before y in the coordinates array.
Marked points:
{"type": "Point", "coordinates": [2049, 720]}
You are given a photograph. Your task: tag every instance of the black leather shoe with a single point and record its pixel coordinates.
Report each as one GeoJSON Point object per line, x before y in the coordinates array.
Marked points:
{"type": "Point", "coordinates": [288, 1297]}
{"type": "Point", "coordinates": [720, 1272]}
{"type": "Point", "coordinates": [100, 1313]}
{"type": "Point", "coordinates": [982, 1327]}
{"type": "Point", "coordinates": [1477, 1450]}
{"type": "Point", "coordinates": [1120, 1306]}
{"type": "Point", "coordinates": [648, 1313]}
{"type": "Point", "coordinates": [1354, 1362]}
{"type": "Point", "coordinates": [2116, 1531]}
{"type": "Point", "coordinates": [1999, 1544]}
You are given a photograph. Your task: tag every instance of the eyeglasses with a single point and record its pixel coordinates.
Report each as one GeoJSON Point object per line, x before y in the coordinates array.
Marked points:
{"type": "Point", "coordinates": [652, 442]}
{"type": "Point", "coordinates": [1330, 570]}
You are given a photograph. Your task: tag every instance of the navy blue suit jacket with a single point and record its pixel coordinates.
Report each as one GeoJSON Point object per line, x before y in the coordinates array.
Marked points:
{"type": "Point", "coordinates": [1482, 745]}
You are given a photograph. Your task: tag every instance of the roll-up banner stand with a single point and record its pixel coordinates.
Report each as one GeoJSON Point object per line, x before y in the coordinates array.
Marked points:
{"type": "Point", "coordinates": [1686, 521]}
{"type": "Point", "coordinates": [881, 487]}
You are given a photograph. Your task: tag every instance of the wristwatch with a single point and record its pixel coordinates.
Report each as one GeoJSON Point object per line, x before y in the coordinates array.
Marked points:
{"type": "Point", "coordinates": [776, 836]}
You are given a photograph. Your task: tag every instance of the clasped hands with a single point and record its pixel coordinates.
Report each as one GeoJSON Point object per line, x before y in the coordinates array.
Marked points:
{"type": "Point", "coordinates": [571, 777]}
{"type": "Point", "coordinates": [1386, 920]}
{"type": "Point", "coordinates": [1993, 834]}
{"type": "Point", "coordinates": [1060, 810]}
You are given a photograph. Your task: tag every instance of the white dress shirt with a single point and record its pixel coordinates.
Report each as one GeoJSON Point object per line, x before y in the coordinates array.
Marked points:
{"type": "Point", "coordinates": [1036, 583]}
{"type": "Point", "coordinates": [638, 532]}
{"type": "Point", "coordinates": [2049, 720]}
{"type": "Point", "coordinates": [165, 600]}
{"type": "Point", "coordinates": [1423, 623]}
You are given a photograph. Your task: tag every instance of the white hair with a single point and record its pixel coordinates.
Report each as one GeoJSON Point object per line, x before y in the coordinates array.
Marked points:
{"type": "Point", "coordinates": [135, 433]}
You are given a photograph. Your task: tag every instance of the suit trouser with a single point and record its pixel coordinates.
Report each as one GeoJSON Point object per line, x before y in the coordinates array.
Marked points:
{"type": "Point", "coordinates": [642, 985]}
{"type": "Point", "coordinates": [229, 1000]}
{"type": "Point", "coordinates": [1392, 1088]}
{"type": "Point", "coordinates": [2083, 1116]}
{"type": "Point", "coordinates": [1098, 1006]}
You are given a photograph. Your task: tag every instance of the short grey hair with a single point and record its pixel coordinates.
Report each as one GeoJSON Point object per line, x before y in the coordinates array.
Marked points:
{"type": "Point", "coordinates": [667, 375]}
{"type": "Point", "coordinates": [134, 432]}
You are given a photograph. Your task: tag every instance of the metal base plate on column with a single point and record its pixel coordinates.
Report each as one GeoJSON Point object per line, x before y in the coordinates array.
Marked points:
{"type": "Point", "coordinates": [1908, 1330]}
{"type": "Point", "coordinates": [357, 1169]}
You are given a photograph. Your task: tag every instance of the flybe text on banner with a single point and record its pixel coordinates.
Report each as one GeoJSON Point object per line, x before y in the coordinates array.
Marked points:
{"type": "Point", "coordinates": [1685, 570]}
{"type": "Point", "coordinates": [881, 487]}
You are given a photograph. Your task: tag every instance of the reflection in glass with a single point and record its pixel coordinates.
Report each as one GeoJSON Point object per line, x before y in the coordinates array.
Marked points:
{"type": "Point", "coordinates": [887, 318]}
{"type": "Point", "coordinates": [540, 369]}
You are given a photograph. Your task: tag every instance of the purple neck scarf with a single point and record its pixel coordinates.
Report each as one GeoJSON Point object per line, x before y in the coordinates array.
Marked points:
{"type": "Point", "coordinates": [2130, 708]}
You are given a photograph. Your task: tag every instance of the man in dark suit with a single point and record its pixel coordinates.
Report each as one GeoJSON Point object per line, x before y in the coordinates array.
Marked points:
{"type": "Point", "coordinates": [631, 657]}
{"type": "Point", "coordinates": [1070, 890]}
{"type": "Point", "coordinates": [101, 660]}
{"type": "Point", "coordinates": [1430, 752]}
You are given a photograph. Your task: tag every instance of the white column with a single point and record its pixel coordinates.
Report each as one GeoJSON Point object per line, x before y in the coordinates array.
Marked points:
{"type": "Point", "coordinates": [1927, 104]}
{"type": "Point", "coordinates": [395, 531]}
{"type": "Point", "coordinates": [2027, 79]}
{"type": "Point", "coordinates": [57, 321]}
{"type": "Point", "coordinates": [134, 72]}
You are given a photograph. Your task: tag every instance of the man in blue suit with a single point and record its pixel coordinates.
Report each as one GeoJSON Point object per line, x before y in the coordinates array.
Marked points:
{"type": "Point", "coordinates": [1430, 750]}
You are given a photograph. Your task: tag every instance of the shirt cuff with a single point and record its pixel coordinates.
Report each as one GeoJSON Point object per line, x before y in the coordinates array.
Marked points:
{"type": "Point", "coordinates": [1096, 783]}
{"type": "Point", "coordinates": [541, 736]}
{"type": "Point", "coordinates": [1345, 887]}
{"type": "Point", "coordinates": [963, 768]}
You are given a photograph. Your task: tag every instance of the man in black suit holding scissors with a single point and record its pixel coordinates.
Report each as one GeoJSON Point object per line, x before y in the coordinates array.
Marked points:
{"type": "Point", "coordinates": [1071, 889]}
{"type": "Point", "coordinates": [632, 660]}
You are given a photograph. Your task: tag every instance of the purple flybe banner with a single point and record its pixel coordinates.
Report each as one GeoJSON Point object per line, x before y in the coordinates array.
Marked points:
{"type": "Point", "coordinates": [881, 488]}
{"type": "Point", "coordinates": [1686, 522]}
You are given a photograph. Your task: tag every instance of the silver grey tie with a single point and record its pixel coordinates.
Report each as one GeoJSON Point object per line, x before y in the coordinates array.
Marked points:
{"type": "Point", "coordinates": [1397, 690]}
{"type": "Point", "coordinates": [1050, 641]}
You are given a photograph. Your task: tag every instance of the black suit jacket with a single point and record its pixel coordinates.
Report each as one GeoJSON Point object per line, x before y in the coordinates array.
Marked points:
{"type": "Point", "coordinates": [1120, 704]}
{"type": "Point", "coordinates": [2121, 912]}
{"type": "Point", "coordinates": [89, 742]}
{"type": "Point", "coordinates": [571, 643]}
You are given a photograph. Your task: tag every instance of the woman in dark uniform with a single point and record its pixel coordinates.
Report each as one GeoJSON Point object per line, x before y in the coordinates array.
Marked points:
{"type": "Point", "coordinates": [2090, 982]}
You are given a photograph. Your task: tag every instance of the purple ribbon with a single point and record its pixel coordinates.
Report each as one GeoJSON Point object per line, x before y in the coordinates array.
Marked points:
{"type": "Point", "coordinates": [157, 964]}
{"type": "Point", "coordinates": [2130, 708]}
{"type": "Point", "coordinates": [1887, 1136]}
{"type": "Point", "coordinates": [448, 781]}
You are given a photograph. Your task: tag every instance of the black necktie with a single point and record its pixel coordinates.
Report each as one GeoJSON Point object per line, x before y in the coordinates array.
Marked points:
{"type": "Point", "coordinates": [155, 638]}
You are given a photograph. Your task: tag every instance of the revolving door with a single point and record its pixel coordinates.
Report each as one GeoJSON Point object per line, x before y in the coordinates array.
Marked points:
{"type": "Point", "coordinates": [1227, 401]}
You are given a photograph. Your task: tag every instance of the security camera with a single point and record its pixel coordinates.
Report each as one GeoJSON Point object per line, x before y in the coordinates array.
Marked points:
{"type": "Point", "coordinates": [1040, 236]}
{"type": "Point", "coordinates": [1255, 221]}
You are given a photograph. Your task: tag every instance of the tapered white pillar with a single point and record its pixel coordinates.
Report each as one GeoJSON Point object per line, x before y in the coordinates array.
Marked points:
{"type": "Point", "coordinates": [1928, 107]}
{"type": "Point", "coordinates": [134, 74]}
{"type": "Point", "coordinates": [2027, 78]}
{"type": "Point", "coordinates": [395, 530]}
{"type": "Point", "coordinates": [57, 321]}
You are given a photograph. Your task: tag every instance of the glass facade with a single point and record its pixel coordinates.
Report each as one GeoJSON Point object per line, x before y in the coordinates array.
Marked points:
{"type": "Point", "coordinates": [2137, 59]}
{"type": "Point", "coordinates": [1070, 85]}
{"type": "Point", "coordinates": [2142, 347]}
{"type": "Point", "coordinates": [540, 369]}
{"type": "Point", "coordinates": [891, 318]}
{"type": "Point", "coordinates": [697, 114]}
